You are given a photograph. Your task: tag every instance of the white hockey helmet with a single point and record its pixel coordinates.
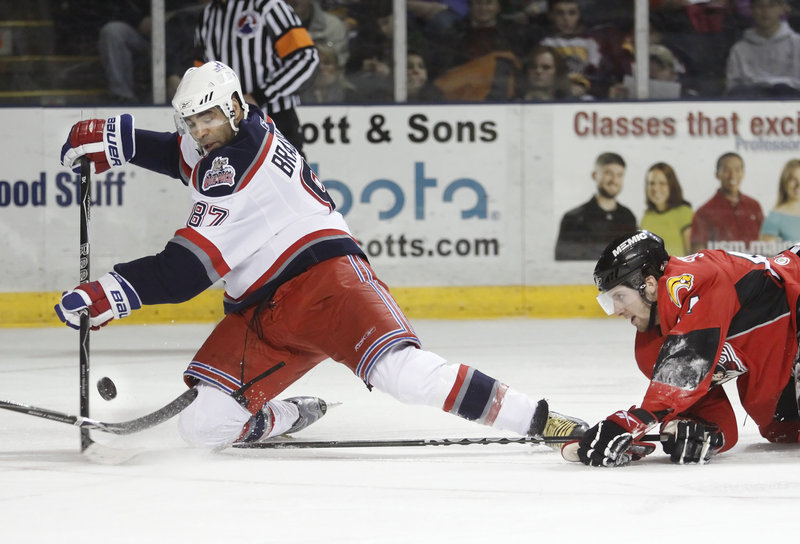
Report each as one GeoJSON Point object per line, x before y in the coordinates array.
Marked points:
{"type": "Point", "coordinates": [212, 84]}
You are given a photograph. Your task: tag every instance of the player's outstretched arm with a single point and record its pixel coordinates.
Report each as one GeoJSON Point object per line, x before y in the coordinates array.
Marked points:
{"type": "Point", "coordinates": [159, 152]}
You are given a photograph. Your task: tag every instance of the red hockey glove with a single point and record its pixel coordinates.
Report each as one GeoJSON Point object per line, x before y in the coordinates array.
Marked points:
{"type": "Point", "coordinates": [612, 442]}
{"type": "Point", "coordinates": [110, 297]}
{"type": "Point", "coordinates": [690, 441]}
{"type": "Point", "coordinates": [106, 142]}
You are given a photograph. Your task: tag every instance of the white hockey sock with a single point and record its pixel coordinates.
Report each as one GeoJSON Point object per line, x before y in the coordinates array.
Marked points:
{"type": "Point", "coordinates": [516, 412]}
{"type": "Point", "coordinates": [416, 376]}
{"type": "Point", "coordinates": [214, 419]}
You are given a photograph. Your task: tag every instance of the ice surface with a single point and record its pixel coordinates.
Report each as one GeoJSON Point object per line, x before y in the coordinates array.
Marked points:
{"type": "Point", "coordinates": [51, 493]}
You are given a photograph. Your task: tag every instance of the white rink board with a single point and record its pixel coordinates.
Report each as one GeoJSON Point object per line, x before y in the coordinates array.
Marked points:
{"type": "Point", "coordinates": [444, 179]}
{"type": "Point", "coordinates": [765, 134]}
{"type": "Point", "coordinates": [439, 195]}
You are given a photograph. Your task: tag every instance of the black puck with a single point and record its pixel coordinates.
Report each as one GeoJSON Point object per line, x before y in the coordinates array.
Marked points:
{"type": "Point", "coordinates": [106, 388]}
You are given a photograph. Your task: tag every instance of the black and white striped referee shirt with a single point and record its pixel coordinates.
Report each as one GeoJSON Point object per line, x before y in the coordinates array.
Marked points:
{"type": "Point", "coordinates": [265, 43]}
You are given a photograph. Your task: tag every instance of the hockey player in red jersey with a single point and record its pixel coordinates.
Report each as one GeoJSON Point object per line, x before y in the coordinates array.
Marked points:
{"type": "Point", "coordinates": [298, 288]}
{"type": "Point", "coordinates": [701, 320]}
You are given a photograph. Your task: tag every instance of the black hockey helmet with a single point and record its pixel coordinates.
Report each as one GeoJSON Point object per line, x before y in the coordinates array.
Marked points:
{"type": "Point", "coordinates": [630, 259]}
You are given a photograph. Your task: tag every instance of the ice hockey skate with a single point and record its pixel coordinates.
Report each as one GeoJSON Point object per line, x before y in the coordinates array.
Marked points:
{"type": "Point", "coordinates": [553, 424]}
{"type": "Point", "coordinates": [311, 409]}
{"type": "Point", "coordinates": [566, 426]}
{"type": "Point", "coordinates": [261, 426]}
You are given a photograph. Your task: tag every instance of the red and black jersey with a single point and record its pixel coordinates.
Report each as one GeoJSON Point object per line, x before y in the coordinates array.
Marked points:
{"type": "Point", "coordinates": [722, 316]}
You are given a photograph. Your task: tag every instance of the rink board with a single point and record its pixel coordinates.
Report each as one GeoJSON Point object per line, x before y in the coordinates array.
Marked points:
{"type": "Point", "coordinates": [457, 206]}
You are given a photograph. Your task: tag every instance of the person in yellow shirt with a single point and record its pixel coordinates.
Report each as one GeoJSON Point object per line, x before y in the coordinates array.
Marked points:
{"type": "Point", "coordinates": [668, 215]}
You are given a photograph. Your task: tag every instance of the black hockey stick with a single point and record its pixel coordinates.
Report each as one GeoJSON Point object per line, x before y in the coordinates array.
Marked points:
{"type": "Point", "coordinates": [126, 427]}
{"type": "Point", "coordinates": [404, 442]}
{"type": "Point", "coordinates": [83, 347]}
{"type": "Point", "coordinates": [393, 443]}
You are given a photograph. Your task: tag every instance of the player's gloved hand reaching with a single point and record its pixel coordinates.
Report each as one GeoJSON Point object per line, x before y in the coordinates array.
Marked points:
{"type": "Point", "coordinates": [612, 442]}
{"type": "Point", "coordinates": [106, 142]}
{"type": "Point", "coordinates": [109, 297]}
{"type": "Point", "coordinates": [691, 441]}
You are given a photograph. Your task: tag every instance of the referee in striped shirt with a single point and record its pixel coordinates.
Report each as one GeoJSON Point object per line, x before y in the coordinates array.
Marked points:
{"type": "Point", "coordinates": [265, 43]}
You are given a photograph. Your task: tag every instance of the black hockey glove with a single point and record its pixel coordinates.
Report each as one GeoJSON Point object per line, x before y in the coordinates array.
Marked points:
{"type": "Point", "coordinates": [611, 443]}
{"type": "Point", "coordinates": [690, 441]}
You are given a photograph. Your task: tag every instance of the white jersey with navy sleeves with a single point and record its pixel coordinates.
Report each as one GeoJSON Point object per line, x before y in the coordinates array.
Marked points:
{"type": "Point", "coordinates": [259, 217]}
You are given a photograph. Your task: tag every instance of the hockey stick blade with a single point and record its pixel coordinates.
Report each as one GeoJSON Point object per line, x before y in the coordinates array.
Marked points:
{"type": "Point", "coordinates": [126, 427]}
{"type": "Point", "coordinates": [400, 442]}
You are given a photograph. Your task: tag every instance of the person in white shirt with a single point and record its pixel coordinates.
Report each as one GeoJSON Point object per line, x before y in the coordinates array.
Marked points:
{"type": "Point", "coordinates": [766, 61]}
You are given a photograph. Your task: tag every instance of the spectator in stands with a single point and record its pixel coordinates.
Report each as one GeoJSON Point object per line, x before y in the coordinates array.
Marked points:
{"type": "Point", "coordinates": [565, 25]}
{"type": "Point", "coordinates": [701, 33]}
{"type": "Point", "coordinates": [370, 64]}
{"type": "Point", "coordinates": [482, 32]}
{"type": "Point", "coordinates": [324, 28]}
{"type": "Point", "coordinates": [481, 57]}
{"type": "Point", "coordinates": [663, 64]}
{"type": "Point", "coordinates": [586, 230]}
{"type": "Point", "coordinates": [656, 37]}
{"type": "Point", "coordinates": [783, 221]}
{"type": "Point", "coordinates": [665, 81]}
{"type": "Point", "coordinates": [580, 49]}
{"type": "Point", "coordinates": [766, 61]}
{"type": "Point", "coordinates": [419, 86]}
{"type": "Point", "coordinates": [668, 214]}
{"type": "Point", "coordinates": [330, 86]}
{"type": "Point", "coordinates": [124, 47]}
{"type": "Point", "coordinates": [729, 216]}
{"type": "Point", "coordinates": [545, 76]}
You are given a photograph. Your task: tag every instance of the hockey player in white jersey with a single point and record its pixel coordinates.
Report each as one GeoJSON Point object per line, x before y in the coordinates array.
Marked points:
{"type": "Point", "coordinates": [298, 288]}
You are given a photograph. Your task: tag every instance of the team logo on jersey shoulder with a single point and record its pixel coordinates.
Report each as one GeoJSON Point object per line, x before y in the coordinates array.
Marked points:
{"type": "Point", "coordinates": [248, 24]}
{"type": "Point", "coordinates": [781, 260]}
{"type": "Point", "coordinates": [220, 173]}
{"type": "Point", "coordinates": [676, 283]}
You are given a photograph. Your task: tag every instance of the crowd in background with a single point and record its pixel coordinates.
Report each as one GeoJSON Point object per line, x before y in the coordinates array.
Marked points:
{"type": "Point", "coordinates": [489, 50]}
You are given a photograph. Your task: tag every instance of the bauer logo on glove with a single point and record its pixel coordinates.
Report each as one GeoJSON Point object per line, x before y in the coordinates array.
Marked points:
{"type": "Point", "coordinates": [110, 297]}
{"type": "Point", "coordinates": [108, 143]}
